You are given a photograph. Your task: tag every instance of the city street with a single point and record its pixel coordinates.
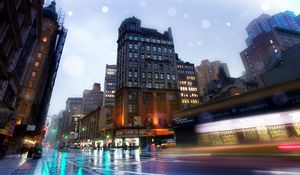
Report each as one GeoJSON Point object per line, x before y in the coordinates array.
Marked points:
{"type": "Point", "coordinates": [132, 162]}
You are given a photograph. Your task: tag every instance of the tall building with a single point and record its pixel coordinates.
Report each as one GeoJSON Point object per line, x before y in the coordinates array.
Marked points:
{"type": "Point", "coordinates": [265, 23]}
{"type": "Point", "coordinates": [40, 75]}
{"type": "Point", "coordinates": [72, 115]}
{"type": "Point", "coordinates": [298, 19]}
{"type": "Point", "coordinates": [265, 46]}
{"type": "Point", "coordinates": [110, 85]}
{"type": "Point", "coordinates": [188, 84]}
{"type": "Point", "coordinates": [20, 27]}
{"type": "Point", "coordinates": [208, 71]}
{"type": "Point", "coordinates": [147, 82]}
{"type": "Point", "coordinates": [224, 87]}
{"type": "Point", "coordinates": [92, 99]}
{"type": "Point", "coordinates": [283, 68]}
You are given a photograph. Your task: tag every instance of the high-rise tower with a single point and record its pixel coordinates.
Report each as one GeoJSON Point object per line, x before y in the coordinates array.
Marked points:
{"type": "Point", "coordinates": [147, 82]}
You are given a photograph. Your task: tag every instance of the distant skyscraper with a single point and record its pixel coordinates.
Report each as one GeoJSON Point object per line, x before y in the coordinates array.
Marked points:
{"type": "Point", "coordinates": [208, 71]}
{"type": "Point", "coordinates": [266, 45]}
{"type": "Point", "coordinates": [110, 85]}
{"type": "Point", "coordinates": [188, 84]}
{"type": "Point", "coordinates": [265, 23]}
{"type": "Point", "coordinates": [298, 19]}
{"type": "Point", "coordinates": [147, 80]}
{"type": "Point", "coordinates": [73, 112]}
{"type": "Point", "coordinates": [92, 99]}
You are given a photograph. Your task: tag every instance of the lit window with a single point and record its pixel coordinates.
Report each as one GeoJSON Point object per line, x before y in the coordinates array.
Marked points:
{"type": "Point", "coordinates": [18, 121]}
{"type": "Point", "coordinates": [37, 64]}
{"type": "Point", "coordinates": [30, 84]}
{"type": "Point", "coordinates": [33, 74]}
{"type": "Point", "coordinates": [45, 39]}
{"type": "Point", "coordinates": [40, 55]}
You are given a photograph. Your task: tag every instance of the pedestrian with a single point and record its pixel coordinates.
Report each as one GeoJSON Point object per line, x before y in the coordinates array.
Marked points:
{"type": "Point", "coordinates": [30, 152]}
{"type": "Point", "coordinates": [22, 150]}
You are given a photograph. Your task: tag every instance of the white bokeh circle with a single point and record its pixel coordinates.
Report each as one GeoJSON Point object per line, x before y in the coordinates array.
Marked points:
{"type": "Point", "coordinates": [172, 11]}
{"type": "Point", "coordinates": [265, 6]}
{"type": "Point", "coordinates": [205, 24]}
{"type": "Point", "coordinates": [105, 9]}
{"type": "Point", "coordinates": [74, 65]}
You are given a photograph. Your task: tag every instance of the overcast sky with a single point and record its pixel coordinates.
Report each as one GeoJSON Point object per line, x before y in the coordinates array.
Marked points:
{"type": "Point", "coordinates": [202, 29]}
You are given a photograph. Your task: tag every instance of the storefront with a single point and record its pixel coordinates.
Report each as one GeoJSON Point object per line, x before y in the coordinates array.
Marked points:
{"type": "Point", "coordinates": [263, 116]}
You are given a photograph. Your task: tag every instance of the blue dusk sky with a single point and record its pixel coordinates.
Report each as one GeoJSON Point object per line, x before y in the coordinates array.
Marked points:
{"type": "Point", "coordinates": [202, 29]}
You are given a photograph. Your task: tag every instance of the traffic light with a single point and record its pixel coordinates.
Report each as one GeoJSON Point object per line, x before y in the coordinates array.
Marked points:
{"type": "Point", "coordinates": [107, 135]}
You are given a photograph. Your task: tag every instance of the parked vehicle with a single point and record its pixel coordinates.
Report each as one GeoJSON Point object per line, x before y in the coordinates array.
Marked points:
{"type": "Point", "coordinates": [37, 152]}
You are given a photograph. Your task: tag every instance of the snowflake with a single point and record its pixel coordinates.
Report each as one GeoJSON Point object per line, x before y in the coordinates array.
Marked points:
{"type": "Point", "coordinates": [104, 9]}
{"type": "Point", "coordinates": [143, 3]}
{"type": "Point", "coordinates": [265, 6]}
{"type": "Point", "coordinates": [70, 13]}
{"type": "Point", "coordinates": [191, 44]}
{"type": "Point", "coordinates": [205, 23]}
{"type": "Point", "coordinates": [199, 43]}
{"type": "Point", "coordinates": [74, 65]}
{"type": "Point", "coordinates": [172, 11]}
{"type": "Point", "coordinates": [186, 15]}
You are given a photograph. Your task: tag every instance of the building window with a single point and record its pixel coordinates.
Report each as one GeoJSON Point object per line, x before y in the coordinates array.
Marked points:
{"type": "Point", "coordinates": [148, 56]}
{"type": "Point", "coordinates": [135, 38]}
{"type": "Point", "coordinates": [158, 41]}
{"type": "Point", "coordinates": [23, 108]}
{"type": "Point", "coordinates": [30, 84]}
{"type": "Point", "coordinates": [143, 75]}
{"type": "Point", "coordinates": [170, 50]}
{"type": "Point", "coordinates": [37, 64]}
{"type": "Point", "coordinates": [143, 56]}
{"type": "Point", "coordinates": [142, 39]}
{"type": "Point", "coordinates": [159, 57]}
{"type": "Point", "coordinates": [168, 77]}
{"type": "Point", "coordinates": [45, 39]}
{"type": "Point", "coordinates": [148, 48]}
{"type": "Point", "coordinates": [155, 57]}
{"type": "Point", "coordinates": [153, 40]}
{"type": "Point", "coordinates": [40, 55]}
{"type": "Point", "coordinates": [156, 85]}
{"type": "Point", "coordinates": [135, 55]}
{"type": "Point", "coordinates": [162, 76]}
{"type": "Point", "coordinates": [130, 55]}
{"type": "Point", "coordinates": [162, 85]}
{"type": "Point", "coordinates": [165, 50]}
{"type": "Point", "coordinates": [135, 46]}
{"type": "Point", "coordinates": [34, 73]}
{"type": "Point", "coordinates": [149, 85]}
{"type": "Point", "coordinates": [130, 37]}
{"type": "Point", "coordinates": [159, 49]}
{"type": "Point", "coordinates": [147, 39]}
{"type": "Point", "coordinates": [173, 77]}
{"type": "Point", "coordinates": [135, 83]}
{"type": "Point", "coordinates": [130, 83]}
{"type": "Point", "coordinates": [135, 74]}
{"type": "Point", "coordinates": [130, 46]}
{"type": "Point", "coordinates": [129, 74]}
{"type": "Point", "coordinates": [154, 49]}
{"type": "Point", "coordinates": [156, 75]}
{"type": "Point", "coordinates": [149, 75]}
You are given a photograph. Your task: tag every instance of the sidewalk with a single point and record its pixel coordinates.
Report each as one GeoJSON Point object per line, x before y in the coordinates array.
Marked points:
{"type": "Point", "coordinates": [16, 165]}
{"type": "Point", "coordinates": [11, 162]}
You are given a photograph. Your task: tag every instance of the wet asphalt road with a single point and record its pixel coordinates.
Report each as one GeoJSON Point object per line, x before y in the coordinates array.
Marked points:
{"type": "Point", "coordinates": [132, 162]}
